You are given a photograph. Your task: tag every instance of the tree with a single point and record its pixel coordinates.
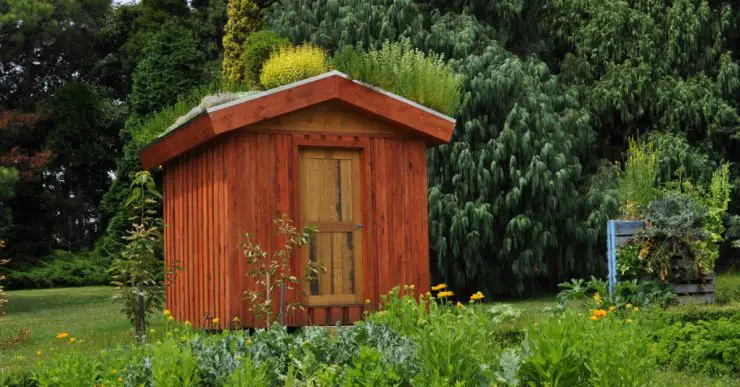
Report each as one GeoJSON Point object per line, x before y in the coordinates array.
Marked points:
{"type": "Point", "coordinates": [136, 272]}
{"type": "Point", "coordinates": [243, 20]}
{"type": "Point", "coordinates": [504, 208]}
{"type": "Point", "coordinates": [8, 179]}
{"type": "Point", "coordinates": [85, 131]}
{"type": "Point", "coordinates": [170, 68]}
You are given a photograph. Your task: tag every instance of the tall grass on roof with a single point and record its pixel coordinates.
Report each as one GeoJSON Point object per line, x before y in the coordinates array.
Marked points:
{"type": "Point", "coordinates": [425, 78]}
{"type": "Point", "coordinates": [149, 128]}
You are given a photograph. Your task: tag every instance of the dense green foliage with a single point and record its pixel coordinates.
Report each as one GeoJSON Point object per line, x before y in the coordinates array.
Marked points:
{"type": "Point", "coordinates": [506, 208]}
{"type": "Point", "coordinates": [256, 50]}
{"type": "Point", "coordinates": [67, 75]}
{"type": "Point", "coordinates": [290, 64]}
{"type": "Point", "coordinates": [8, 178]}
{"type": "Point", "coordinates": [711, 346]}
{"type": "Point", "coordinates": [243, 19]}
{"type": "Point", "coordinates": [61, 269]}
{"type": "Point", "coordinates": [171, 67]}
{"type": "Point", "coordinates": [552, 92]}
{"type": "Point", "coordinates": [403, 70]}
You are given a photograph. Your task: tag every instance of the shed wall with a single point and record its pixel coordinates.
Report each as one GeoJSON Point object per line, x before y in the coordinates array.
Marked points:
{"type": "Point", "coordinates": [244, 179]}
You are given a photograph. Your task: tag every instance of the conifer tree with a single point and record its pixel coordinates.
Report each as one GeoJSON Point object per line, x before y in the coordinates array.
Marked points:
{"type": "Point", "coordinates": [243, 20]}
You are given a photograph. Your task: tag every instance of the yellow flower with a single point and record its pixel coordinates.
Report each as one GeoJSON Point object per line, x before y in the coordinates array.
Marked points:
{"type": "Point", "coordinates": [39, 353]}
{"type": "Point", "coordinates": [439, 287]}
{"type": "Point", "coordinates": [628, 321]}
{"type": "Point", "coordinates": [636, 309]}
{"type": "Point", "coordinates": [460, 304]}
{"type": "Point", "coordinates": [114, 372]}
{"type": "Point", "coordinates": [187, 323]}
{"type": "Point", "coordinates": [628, 306]}
{"type": "Point", "coordinates": [72, 340]}
{"type": "Point", "coordinates": [599, 313]}
{"type": "Point", "coordinates": [249, 341]}
{"type": "Point", "coordinates": [412, 287]}
{"type": "Point", "coordinates": [215, 320]}
{"type": "Point", "coordinates": [120, 379]}
{"type": "Point", "coordinates": [235, 319]}
{"type": "Point", "coordinates": [62, 335]}
{"type": "Point", "coordinates": [445, 294]}
{"type": "Point", "coordinates": [593, 318]}
{"type": "Point", "coordinates": [477, 296]}
{"type": "Point", "coordinates": [367, 301]}
{"type": "Point", "coordinates": [612, 308]}
{"type": "Point", "coordinates": [170, 318]}
{"type": "Point", "coordinates": [167, 312]}
{"type": "Point", "coordinates": [428, 294]}
{"type": "Point", "coordinates": [597, 296]}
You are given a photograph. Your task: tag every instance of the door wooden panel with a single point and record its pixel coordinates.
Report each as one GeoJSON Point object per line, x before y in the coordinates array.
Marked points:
{"type": "Point", "coordinates": [330, 199]}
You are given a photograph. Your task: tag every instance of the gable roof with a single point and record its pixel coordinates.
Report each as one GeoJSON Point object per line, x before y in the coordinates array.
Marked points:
{"type": "Point", "coordinates": [435, 127]}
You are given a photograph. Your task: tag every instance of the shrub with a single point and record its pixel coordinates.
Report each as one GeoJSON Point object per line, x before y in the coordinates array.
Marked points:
{"type": "Point", "coordinates": [60, 269]}
{"type": "Point", "coordinates": [711, 347]}
{"type": "Point", "coordinates": [406, 71]}
{"type": "Point", "coordinates": [594, 294]}
{"type": "Point", "coordinates": [256, 50]}
{"type": "Point", "coordinates": [291, 64]}
{"type": "Point", "coordinates": [573, 350]}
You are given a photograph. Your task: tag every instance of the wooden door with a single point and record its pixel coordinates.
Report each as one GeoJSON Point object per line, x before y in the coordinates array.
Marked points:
{"type": "Point", "coordinates": [330, 200]}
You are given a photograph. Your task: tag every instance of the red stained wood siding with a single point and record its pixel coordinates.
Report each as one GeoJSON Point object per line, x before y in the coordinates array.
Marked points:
{"type": "Point", "coordinates": [240, 181]}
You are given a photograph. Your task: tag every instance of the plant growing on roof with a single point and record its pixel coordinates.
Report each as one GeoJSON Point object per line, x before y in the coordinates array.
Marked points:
{"type": "Point", "coordinates": [255, 51]}
{"type": "Point", "coordinates": [291, 64]}
{"type": "Point", "coordinates": [272, 272]}
{"type": "Point", "coordinates": [406, 71]}
{"type": "Point", "coordinates": [137, 270]}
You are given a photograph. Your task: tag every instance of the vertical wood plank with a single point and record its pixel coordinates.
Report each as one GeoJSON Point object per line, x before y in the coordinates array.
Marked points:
{"type": "Point", "coordinates": [233, 180]}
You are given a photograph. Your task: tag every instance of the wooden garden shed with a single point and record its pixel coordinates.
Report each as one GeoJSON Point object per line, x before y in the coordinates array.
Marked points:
{"type": "Point", "coordinates": [329, 151]}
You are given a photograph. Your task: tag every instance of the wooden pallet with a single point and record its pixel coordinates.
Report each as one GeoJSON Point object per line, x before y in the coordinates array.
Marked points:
{"type": "Point", "coordinates": [700, 291]}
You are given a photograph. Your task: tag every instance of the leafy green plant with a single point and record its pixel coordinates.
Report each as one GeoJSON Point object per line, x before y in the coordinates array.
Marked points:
{"type": "Point", "coordinates": [637, 182]}
{"type": "Point", "coordinates": [554, 359]}
{"type": "Point", "coordinates": [256, 50]}
{"type": "Point", "coordinates": [174, 365]}
{"type": "Point", "coordinates": [674, 231]}
{"type": "Point", "coordinates": [73, 369]}
{"type": "Point", "coordinates": [575, 350]}
{"type": "Point", "coordinates": [367, 370]}
{"type": "Point", "coordinates": [406, 71]}
{"type": "Point", "coordinates": [272, 272]}
{"type": "Point", "coordinates": [712, 347]}
{"type": "Point", "coordinates": [595, 294]}
{"type": "Point", "coordinates": [248, 375]}
{"type": "Point", "coordinates": [291, 64]}
{"type": "Point", "coordinates": [136, 271]}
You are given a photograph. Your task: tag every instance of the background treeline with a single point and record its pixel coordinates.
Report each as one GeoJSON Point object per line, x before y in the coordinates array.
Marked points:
{"type": "Point", "coordinates": [552, 93]}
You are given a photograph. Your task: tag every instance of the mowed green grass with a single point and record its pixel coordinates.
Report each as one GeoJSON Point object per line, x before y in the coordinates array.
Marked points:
{"type": "Point", "coordinates": [88, 314]}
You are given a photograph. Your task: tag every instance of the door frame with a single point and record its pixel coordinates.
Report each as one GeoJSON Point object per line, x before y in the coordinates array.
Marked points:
{"type": "Point", "coordinates": [335, 141]}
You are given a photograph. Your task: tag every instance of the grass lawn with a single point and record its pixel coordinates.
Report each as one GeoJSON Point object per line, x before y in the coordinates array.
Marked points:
{"type": "Point", "coordinates": [89, 314]}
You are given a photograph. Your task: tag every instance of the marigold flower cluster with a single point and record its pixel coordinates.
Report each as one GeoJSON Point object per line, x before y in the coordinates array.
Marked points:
{"type": "Point", "coordinates": [477, 297]}
{"type": "Point", "coordinates": [445, 294]}
{"type": "Point", "coordinates": [439, 287]}
{"type": "Point", "coordinates": [597, 314]}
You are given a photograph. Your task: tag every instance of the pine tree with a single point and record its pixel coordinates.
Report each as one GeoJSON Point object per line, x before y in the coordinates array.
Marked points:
{"type": "Point", "coordinates": [243, 20]}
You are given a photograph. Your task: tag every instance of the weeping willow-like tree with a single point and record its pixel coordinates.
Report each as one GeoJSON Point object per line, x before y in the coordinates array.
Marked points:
{"type": "Point", "coordinates": [552, 92]}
